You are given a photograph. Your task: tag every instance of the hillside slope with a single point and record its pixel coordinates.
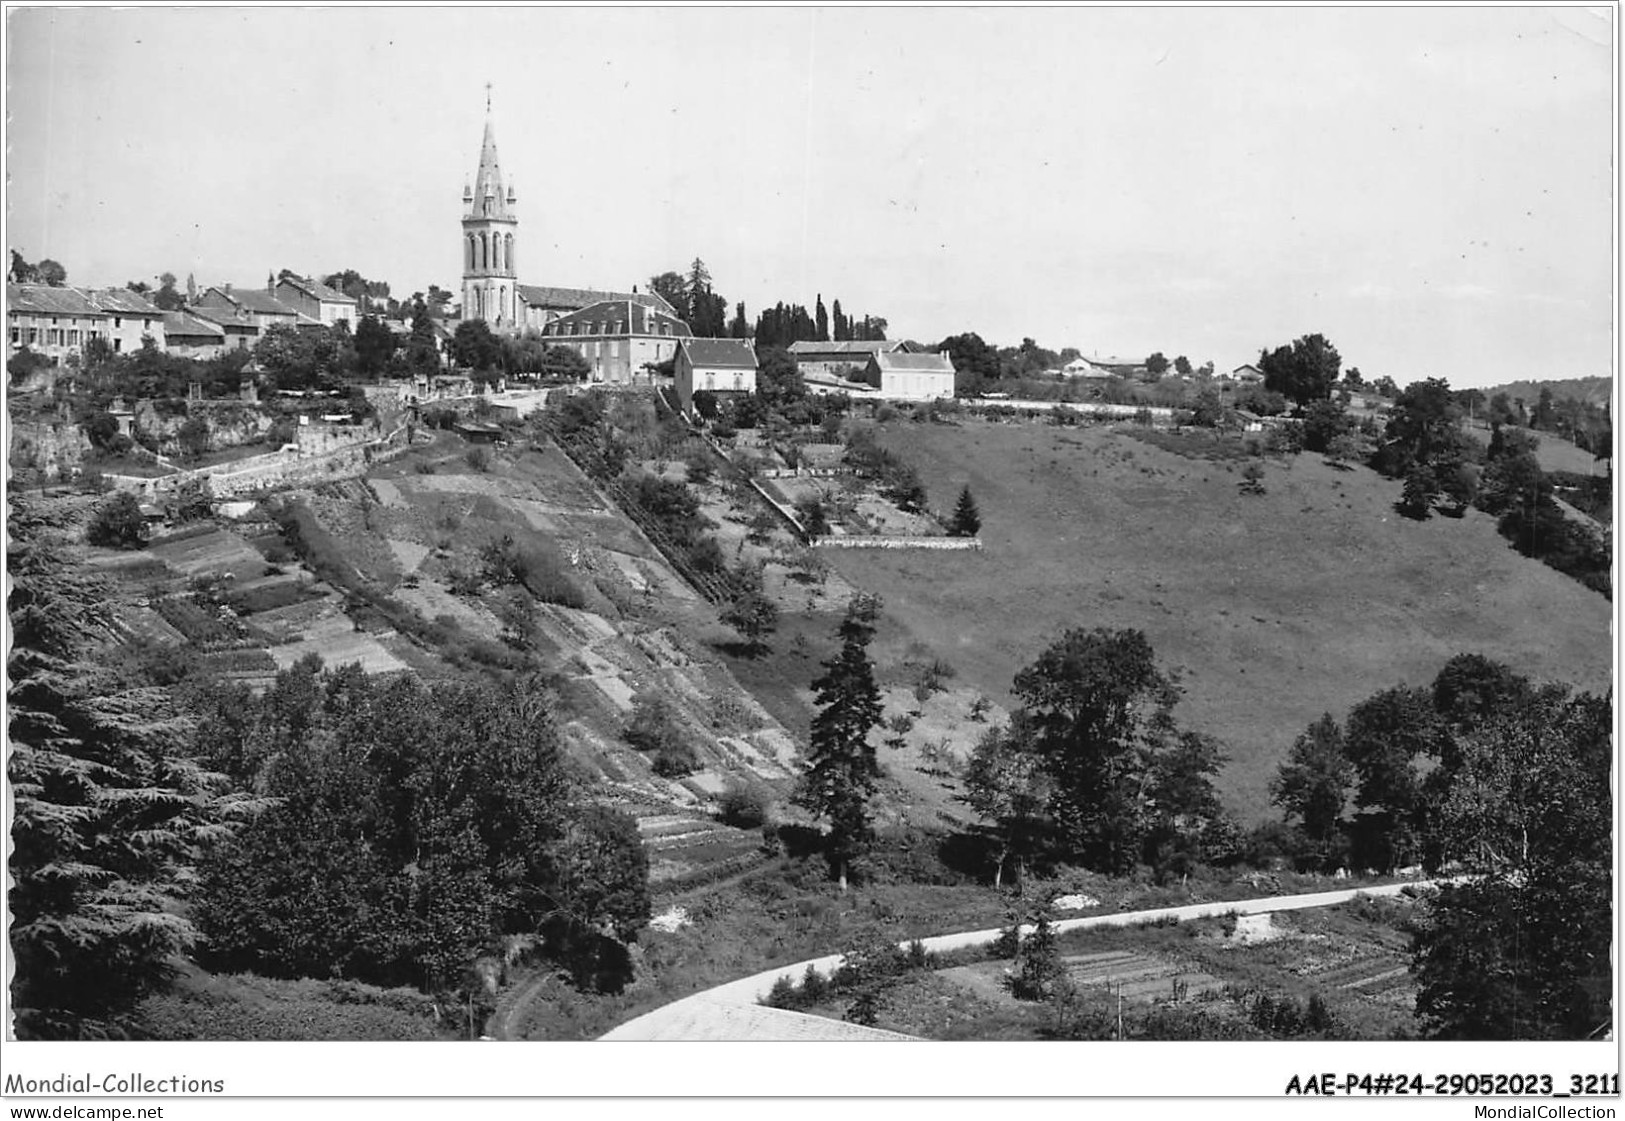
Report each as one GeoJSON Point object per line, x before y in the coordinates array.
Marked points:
{"type": "Point", "coordinates": [1273, 609]}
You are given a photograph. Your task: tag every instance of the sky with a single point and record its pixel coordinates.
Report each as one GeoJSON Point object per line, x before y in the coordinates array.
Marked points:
{"type": "Point", "coordinates": [1429, 188]}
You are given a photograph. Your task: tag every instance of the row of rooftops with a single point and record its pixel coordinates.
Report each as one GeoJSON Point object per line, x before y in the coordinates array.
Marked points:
{"type": "Point", "coordinates": [82, 303]}
{"type": "Point", "coordinates": [44, 299]}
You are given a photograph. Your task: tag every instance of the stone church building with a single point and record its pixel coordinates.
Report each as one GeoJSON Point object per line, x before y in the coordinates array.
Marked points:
{"type": "Point", "coordinates": [491, 288]}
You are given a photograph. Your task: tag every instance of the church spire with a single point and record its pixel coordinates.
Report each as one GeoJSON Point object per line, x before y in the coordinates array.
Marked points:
{"type": "Point", "coordinates": [489, 200]}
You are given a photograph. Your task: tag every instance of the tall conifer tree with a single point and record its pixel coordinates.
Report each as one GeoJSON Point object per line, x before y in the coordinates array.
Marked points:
{"type": "Point", "coordinates": [841, 771]}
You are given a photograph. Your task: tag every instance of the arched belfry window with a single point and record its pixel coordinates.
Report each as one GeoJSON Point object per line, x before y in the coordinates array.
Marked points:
{"type": "Point", "coordinates": [507, 251]}
{"type": "Point", "coordinates": [470, 254]}
{"type": "Point", "coordinates": [485, 252]}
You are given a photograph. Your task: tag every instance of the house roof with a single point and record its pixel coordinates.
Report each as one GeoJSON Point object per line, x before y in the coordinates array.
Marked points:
{"type": "Point", "coordinates": [923, 363]}
{"type": "Point", "coordinates": [225, 317]}
{"type": "Point", "coordinates": [316, 290]}
{"type": "Point", "coordinates": [1246, 368]}
{"type": "Point", "coordinates": [123, 301]}
{"type": "Point", "coordinates": [737, 353]}
{"type": "Point", "coordinates": [817, 378]}
{"type": "Point", "coordinates": [255, 300]}
{"type": "Point", "coordinates": [846, 347]}
{"type": "Point", "coordinates": [43, 299]}
{"type": "Point", "coordinates": [1118, 363]}
{"type": "Point", "coordinates": [180, 324]}
{"type": "Point", "coordinates": [633, 318]}
{"type": "Point", "coordinates": [573, 299]}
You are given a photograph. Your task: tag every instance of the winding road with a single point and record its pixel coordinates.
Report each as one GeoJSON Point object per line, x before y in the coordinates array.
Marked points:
{"type": "Point", "coordinates": [731, 1011]}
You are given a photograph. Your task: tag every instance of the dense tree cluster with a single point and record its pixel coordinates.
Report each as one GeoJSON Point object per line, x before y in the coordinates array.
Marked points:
{"type": "Point", "coordinates": [46, 271]}
{"type": "Point", "coordinates": [783, 324]}
{"type": "Point", "coordinates": [1094, 769]}
{"type": "Point", "coordinates": [111, 815]}
{"type": "Point", "coordinates": [1305, 371]}
{"type": "Point", "coordinates": [694, 299]}
{"type": "Point", "coordinates": [1426, 447]}
{"type": "Point", "coordinates": [415, 828]}
{"type": "Point", "coordinates": [1488, 773]}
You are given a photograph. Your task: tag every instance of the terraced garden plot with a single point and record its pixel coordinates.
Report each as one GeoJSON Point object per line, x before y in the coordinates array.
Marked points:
{"type": "Point", "coordinates": [682, 848]}
{"type": "Point", "coordinates": [145, 623]}
{"type": "Point", "coordinates": [129, 569]}
{"type": "Point", "coordinates": [287, 624]}
{"type": "Point", "coordinates": [1143, 978]}
{"type": "Point", "coordinates": [335, 639]}
{"type": "Point", "coordinates": [214, 553]}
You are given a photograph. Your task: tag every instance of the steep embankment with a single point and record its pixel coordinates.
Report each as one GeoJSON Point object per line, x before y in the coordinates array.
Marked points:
{"type": "Point", "coordinates": [1273, 608]}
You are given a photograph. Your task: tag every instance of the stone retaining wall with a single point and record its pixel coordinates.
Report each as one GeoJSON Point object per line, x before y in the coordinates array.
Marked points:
{"type": "Point", "coordinates": [286, 467]}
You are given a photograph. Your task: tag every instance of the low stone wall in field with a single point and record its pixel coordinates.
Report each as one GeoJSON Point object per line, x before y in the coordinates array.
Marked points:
{"type": "Point", "coordinates": [803, 472]}
{"type": "Point", "coordinates": [1158, 413]}
{"type": "Point", "coordinates": [860, 541]}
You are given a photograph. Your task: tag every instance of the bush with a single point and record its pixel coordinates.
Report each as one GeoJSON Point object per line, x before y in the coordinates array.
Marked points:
{"type": "Point", "coordinates": [479, 458]}
{"type": "Point", "coordinates": [676, 761]}
{"type": "Point", "coordinates": [743, 807]}
{"type": "Point", "coordinates": [117, 523]}
{"type": "Point", "coordinates": [1252, 479]}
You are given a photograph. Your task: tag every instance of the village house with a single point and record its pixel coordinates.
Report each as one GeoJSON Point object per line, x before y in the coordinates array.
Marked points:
{"type": "Point", "coordinates": [256, 305]}
{"type": "Point", "coordinates": [58, 322]}
{"type": "Point", "coordinates": [722, 366]}
{"type": "Point", "coordinates": [1083, 368]}
{"type": "Point", "coordinates": [1120, 367]}
{"type": "Point", "coordinates": [317, 301]}
{"type": "Point", "coordinates": [896, 376]}
{"type": "Point", "coordinates": [131, 318]}
{"type": "Point", "coordinates": [619, 339]}
{"type": "Point", "coordinates": [839, 359]}
{"type": "Point", "coordinates": [1247, 374]}
{"type": "Point", "coordinates": [238, 328]}
{"type": "Point", "coordinates": [191, 337]}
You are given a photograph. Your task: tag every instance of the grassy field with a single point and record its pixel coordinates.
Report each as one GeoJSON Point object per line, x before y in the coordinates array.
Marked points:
{"type": "Point", "coordinates": [1272, 608]}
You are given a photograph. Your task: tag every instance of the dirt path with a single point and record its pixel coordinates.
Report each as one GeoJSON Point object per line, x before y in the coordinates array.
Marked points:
{"type": "Point", "coordinates": [707, 1012]}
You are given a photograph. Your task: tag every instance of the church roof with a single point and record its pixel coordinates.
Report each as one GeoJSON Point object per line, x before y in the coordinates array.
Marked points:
{"type": "Point", "coordinates": [632, 317]}
{"type": "Point", "coordinates": [720, 352]}
{"type": "Point", "coordinates": [929, 363]}
{"type": "Point", "coordinates": [574, 299]}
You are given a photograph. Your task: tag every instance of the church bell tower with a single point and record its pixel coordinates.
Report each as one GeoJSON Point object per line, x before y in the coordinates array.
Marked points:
{"type": "Point", "coordinates": [489, 226]}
